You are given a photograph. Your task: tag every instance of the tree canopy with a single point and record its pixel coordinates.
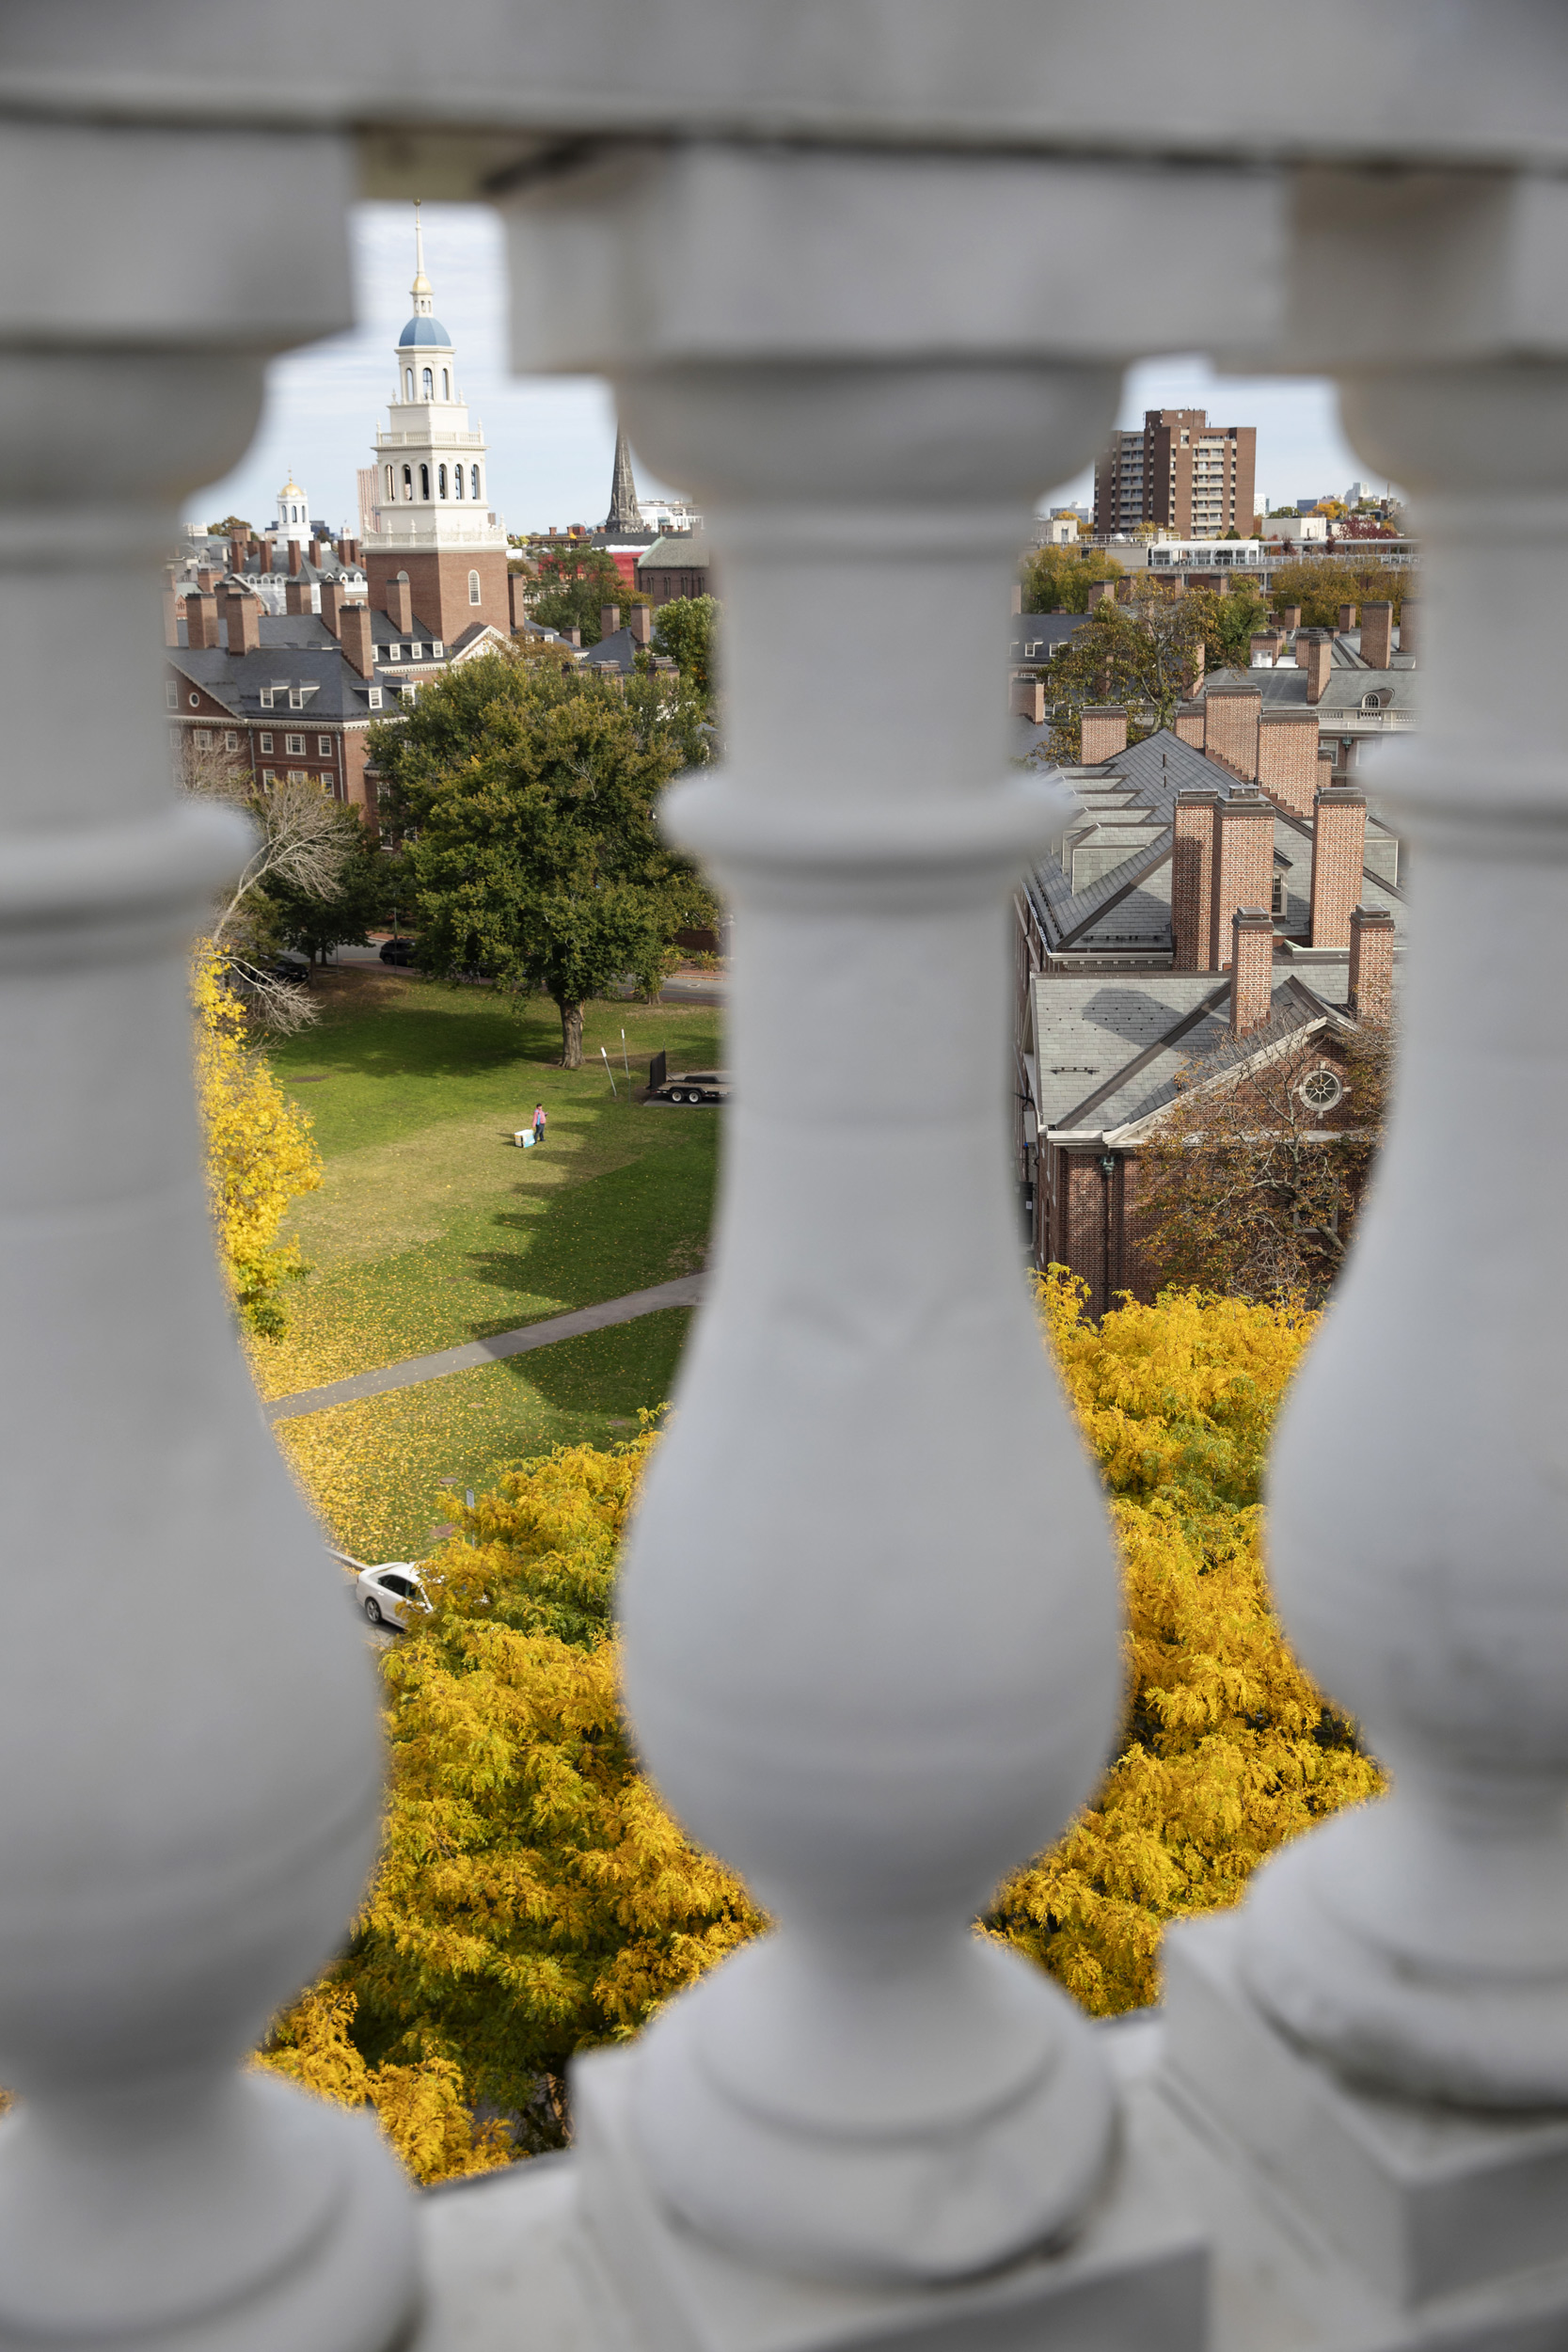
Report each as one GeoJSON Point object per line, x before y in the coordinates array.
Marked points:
{"type": "Point", "coordinates": [528, 794]}
{"type": "Point", "coordinates": [683, 633]}
{"type": "Point", "coordinates": [574, 584]}
{"type": "Point", "coordinates": [260, 1152]}
{"type": "Point", "coordinates": [534, 1898]}
{"type": "Point", "coordinates": [1321, 585]}
{"type": "Point", "coordinates": [1059, 578]}
{"type": "Point", "coordinates": [315, 920]}
{"type": "Point", "coordinates": [1148, 653]}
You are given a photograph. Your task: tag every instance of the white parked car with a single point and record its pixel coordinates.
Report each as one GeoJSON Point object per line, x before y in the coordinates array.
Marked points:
{"type": "Point", "coordinates": [389, 1593]}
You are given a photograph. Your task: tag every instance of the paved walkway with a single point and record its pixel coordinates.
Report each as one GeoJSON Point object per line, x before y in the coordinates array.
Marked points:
{"type": "Point", "coordinates": [686, 1292]}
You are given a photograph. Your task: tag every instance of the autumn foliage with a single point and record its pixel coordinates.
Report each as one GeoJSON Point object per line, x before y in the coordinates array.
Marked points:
{"type": "Point", "coordinates": [534, 1898]}
{"type": "Point", "coordinates": [259, 1152]}
{"type": "Point", "coordinates": [1228, 1749]}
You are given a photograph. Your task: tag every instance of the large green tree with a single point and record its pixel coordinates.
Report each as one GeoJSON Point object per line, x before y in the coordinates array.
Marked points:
{"type": "Point", "coordinates": [575, 582]}
{"type": "Point", "coordinates": [316, 921]}
{"type": "Point", "coordinates": [684, 631]}
{"type": "Point", "coordinates": [528, 795]}
{"type": "Point", "coordinates": [1058, 580]}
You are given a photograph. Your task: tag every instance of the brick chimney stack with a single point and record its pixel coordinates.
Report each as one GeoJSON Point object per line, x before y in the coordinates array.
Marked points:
{"type": "Point", "coordinates": [318, 554]}
{"type": "Point", "coordinates": [1265, 648]}
{"type": "Point", "coordinates": [348, 552]}
{"type": "Point", "coordinates": [1231, 733]}
{"type": "Point", "coordinates": [1251, 970]}
{"type": "Point", "coordinates": [1372, 964]}
{"type": "Point", "coordinates": [333, 594]}
{"type": "Point", "coordinates": [1018, 596]}
{"type": "Point", "coordinates": [1190, 724]}
{"type": "Point", "coordinates": [609, 619]}
{"type": "Point", "coordinates": [240, 617]}
{"type": "Point", "coordinates": [1347, 618]}
{"type": "Point", "coordinates": [238, 550]}
{"type": "Point", "coordinates": [1288, 758]}
{"type": "Point", "coordinates": [1026, 700]}
{"type": "Point", "coordinates": [1244, 866]}
{"type": "Point", "coordinates": [171, 617]}
{"type": "Point", "coordinates": [1196, 659]}
{"type": "Point", "coordinates": [201, 621]}
{"type": "Point", "coordinates": [1290, 619]}
{"type": "Point", "coordinates": [1103, 731]}
{"type": "Point", "coordinates": [1338, 849]}
{"type": "Point", "coordinates": [1377, 635]}
{"type": "Point", "coordinates": [1101, 590]}
{"type": "Point", "coordinates": [639, 620]}
{"type": "Point", "coordinates": [293, 557]}
{"type": "Point", "coordinates": [1410, 614]}
{"type": "Point", "coordinates": [297, 596]}
{"type": "Point", "coordinates": [354, 634]}
{"type": "Point", "coordinates": [400, 605]}
{"type": "Point", "coordinates": [1191, 880]}
{"type": "Point", "coordinates": [1315, 655]}
{"type": "Point", "coordinates": [206, 578]}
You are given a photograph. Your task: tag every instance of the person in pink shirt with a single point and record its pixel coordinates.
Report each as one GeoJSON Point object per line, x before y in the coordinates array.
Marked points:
{"type": "Point", "coordinates": [539, 1123]}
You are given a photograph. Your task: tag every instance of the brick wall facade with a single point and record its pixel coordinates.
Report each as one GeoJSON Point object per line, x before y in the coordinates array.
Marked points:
{"type": "Point", "coordinates": [438, 590]}
{"type": "Point", "coordinates": [1104, 732]}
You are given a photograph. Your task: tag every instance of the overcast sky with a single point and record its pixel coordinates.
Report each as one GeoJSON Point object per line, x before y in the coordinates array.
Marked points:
{"type": "Point", "coordinates": [552, 438]}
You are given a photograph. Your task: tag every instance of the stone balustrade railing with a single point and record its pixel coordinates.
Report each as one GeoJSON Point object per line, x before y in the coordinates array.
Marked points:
{"type": "Point", "coordinates": [797, 242]}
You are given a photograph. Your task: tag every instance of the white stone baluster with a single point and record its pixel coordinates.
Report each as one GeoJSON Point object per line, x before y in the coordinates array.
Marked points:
{"type": "Point", "coordinates": [188, 1737]}
{"type": "Point", "coordinates": [1420, 1552]}
{"type": "Point", "coordinates": [870, 1613]}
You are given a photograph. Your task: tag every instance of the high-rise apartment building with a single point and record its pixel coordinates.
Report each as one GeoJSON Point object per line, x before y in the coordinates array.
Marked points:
{"type": "Point", "coordinates": [1179, 473]}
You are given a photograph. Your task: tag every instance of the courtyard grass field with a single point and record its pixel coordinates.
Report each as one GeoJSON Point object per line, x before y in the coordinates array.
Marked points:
{"type": "Point", "coordinates": [431, 1227]}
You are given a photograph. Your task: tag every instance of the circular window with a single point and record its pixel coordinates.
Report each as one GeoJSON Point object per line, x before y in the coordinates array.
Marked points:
{"type": "Point", "coordinates": [1320, 1089]}
{"type": "Point", "coordinates": [196, 701]}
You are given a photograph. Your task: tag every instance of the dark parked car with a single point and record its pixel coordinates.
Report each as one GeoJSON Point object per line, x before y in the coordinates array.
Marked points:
{"type": "Point", "coordinates": [288, 966]}
{"type": "Point", "coordinates": [397, 951]}
{"type": "Point", "coordinates": [695, 1086]}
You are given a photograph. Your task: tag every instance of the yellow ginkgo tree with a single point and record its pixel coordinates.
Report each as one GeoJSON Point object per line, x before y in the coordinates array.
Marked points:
{"type": "Point", "coordinates": [260, 1152]}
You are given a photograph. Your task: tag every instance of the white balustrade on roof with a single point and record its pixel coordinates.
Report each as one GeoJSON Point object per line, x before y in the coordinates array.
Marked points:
{"type": "Point", "coordinates": [871, 1619]}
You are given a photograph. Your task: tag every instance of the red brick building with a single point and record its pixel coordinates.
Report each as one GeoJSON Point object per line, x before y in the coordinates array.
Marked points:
{"type": "Point", "coordinates": [1179, 473]}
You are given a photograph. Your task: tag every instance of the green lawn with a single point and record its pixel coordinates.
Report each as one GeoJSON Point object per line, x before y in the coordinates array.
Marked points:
{"type": "Point", "coordinates": [431, 1227]}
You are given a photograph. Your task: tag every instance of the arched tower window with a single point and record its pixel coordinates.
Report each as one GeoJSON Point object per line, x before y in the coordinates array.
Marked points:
{"type": "Point", "coordinates": [408, 383]}
{"type": "Point", "coordinates": [391, 489]}
{"type": "Point", "coordinates": [409, 481]}
{"type": "Point", "coordinates": [441, 480]}
{"type": "Point", "coordinates": [424, 482]}
{"type": "Point", "coordinates": [446, 383]}
{"type": "Point", "coordinates": [473, 587]}
{"type": "Point", "coordinates": [475, 472]}
{"type": "Point", "coordinates": [457, 478]}
{"type": "Point", "coordinates": [428, 385]}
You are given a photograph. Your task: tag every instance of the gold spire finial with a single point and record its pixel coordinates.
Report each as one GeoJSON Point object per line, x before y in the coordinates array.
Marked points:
{"type": "Point", "coordinates": [421, 283]}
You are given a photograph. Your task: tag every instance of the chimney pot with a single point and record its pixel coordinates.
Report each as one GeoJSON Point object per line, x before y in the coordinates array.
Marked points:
{"type": "Point", "coordinates": [354, 636]}
{"type": "Point", "coordinates": [240, 617]}
{"type": "Point", "coordinates": [1315, 655]}
{"type": "Point", "coordinates": [332, 601]}
{"type": "Point", "coordinates": [639, 620]}
{"type": "Point", "coordinates": [1372, 964]}
{"type": "Point", "coordinates": [1338, 853]}
{"type": "Point", "coordinates": [399, 607]}
{"type": "Point", "coordinates": [1347, 618]}
{"type": "Point", "coordinates": [294, 556]}
{"type": "Point", "coordinates": [609, 619]}
{"type": "Point", "coordinates": [1377, 635]}
{"type": "Point", "coordinates": [1103, 733]}
{"type": "Point", "coordinates": [1251, 970]}
{"type": "Point", "coordinates": [1290, 619]}
{"type": "Point", "coordinates": [201, 621]}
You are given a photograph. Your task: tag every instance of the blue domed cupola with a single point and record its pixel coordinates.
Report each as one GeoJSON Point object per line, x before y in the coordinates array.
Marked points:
{"type": "Point", "coordinates": [424, 331]}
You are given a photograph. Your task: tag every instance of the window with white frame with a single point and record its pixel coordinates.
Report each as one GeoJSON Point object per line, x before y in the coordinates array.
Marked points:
{"type": "Point", "coordinates": [295, 746]}
{"type": "Point", "coordinates": [324, 746]}
{"type": "Point", "coordinates": [473, 580]}
{"type": "Point", "coordinates": [268, 780]}
{"type": "Point", "coordinates": [231, 741]}
{"type": "Point", "coordinates": [409, 481]}
{"type": "Point", "coordinates": [171, 695]}
{"type": "Point", "coordinates": [265, 697]}
{"type": "Point", "coordinates": [474, 480]}
{"type": "Point", "coordinates": [424, 482]}
{"type": "Point", "coordinates": [194, 701]}
{"type": "Point", "coordinates": [266, 743]}
{"type": "Point", "coordinates": [203, 739]}
{"type": "Point", "coordinates": [373, 698]}
{"type": "Point", "coordinates": [441, 481]}
{"type": "Point", "coordinates": [457, 480]}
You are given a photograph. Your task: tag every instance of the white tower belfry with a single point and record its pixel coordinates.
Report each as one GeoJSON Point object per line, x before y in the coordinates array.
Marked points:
{"type": "Point", "coordinates": [293, 511]}
{"type": "Point", "coordinates": [432, 518]}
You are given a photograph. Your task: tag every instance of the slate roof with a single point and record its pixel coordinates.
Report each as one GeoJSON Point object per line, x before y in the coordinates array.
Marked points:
{"type": "Point", "coordinates": [675, 552]}
{"type": "Point", "coordinates": [1036, 636]}
{"type": "Point", "coordinates": [337, 689]}
{"type": "Point", "coordinates": [1284, 688]}
{"type": "Point", "coordinates": [1106, 1050]}
{"type": "Point", "coordinates": [1128, 804]}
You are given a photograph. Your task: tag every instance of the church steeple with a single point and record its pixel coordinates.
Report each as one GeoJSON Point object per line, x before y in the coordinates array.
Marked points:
{"type": "Point", "coordinates": [624, 511]}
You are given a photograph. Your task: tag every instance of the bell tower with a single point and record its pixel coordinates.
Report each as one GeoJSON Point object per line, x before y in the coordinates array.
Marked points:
{"type": "Point", "coordinates": [433, 515]}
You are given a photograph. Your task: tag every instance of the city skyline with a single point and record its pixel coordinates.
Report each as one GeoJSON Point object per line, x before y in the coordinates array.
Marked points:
{"type": "Point", "coordinates": [552, 438]}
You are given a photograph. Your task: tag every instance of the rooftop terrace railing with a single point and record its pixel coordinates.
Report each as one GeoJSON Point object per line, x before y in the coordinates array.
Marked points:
{"type": "Point", "coordinates": [779, 231]}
